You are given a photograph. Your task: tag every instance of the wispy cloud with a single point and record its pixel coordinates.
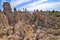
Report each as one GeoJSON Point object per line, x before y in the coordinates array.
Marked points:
{"type": "Point", "coordinates": [17, 2]}
{"type": "Point", "coordinates": [35, 3]}
{"type": "Point", "coordinates": [42, 6]}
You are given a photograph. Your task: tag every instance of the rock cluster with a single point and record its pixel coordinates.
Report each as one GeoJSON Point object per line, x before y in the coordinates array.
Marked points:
{"type": "Point", "coordinates": [24, 25]}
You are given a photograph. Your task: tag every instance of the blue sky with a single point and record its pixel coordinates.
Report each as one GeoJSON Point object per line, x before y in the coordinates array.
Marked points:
{"type": "Point", "coordinates": [33, 4]}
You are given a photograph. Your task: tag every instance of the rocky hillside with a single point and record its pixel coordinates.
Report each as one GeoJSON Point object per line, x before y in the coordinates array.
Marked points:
{"type": "Point", "coordinates": [24, 25]}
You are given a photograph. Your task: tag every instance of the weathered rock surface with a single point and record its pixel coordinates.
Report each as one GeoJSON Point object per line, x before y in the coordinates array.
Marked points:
{"type": "Point", "coordinates": [24, 25]}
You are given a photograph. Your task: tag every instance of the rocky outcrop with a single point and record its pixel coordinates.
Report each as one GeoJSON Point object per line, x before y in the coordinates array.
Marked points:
{"type": "Point", "coordinates": [3, 19]}
{"type": "Point", "coordinates": [24, 25]}
{"type": "Point", "coordinates": [7, 11]}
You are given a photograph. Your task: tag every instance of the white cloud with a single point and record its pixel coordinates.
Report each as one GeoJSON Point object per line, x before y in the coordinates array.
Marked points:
{"type": "Point", "coordinates": [35, 3]}
{"type": "Point", "coordinates": [17, 2]}
{"type": "Point", "coordinates": [43, 6]}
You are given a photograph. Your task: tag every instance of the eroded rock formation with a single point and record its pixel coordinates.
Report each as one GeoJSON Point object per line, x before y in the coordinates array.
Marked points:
{"type": "Point", "coordinates": [24, 25]}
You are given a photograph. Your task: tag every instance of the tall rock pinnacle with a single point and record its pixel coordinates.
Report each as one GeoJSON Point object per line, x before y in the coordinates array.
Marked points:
{"type": "Point", "coordinates": [7, 11]}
